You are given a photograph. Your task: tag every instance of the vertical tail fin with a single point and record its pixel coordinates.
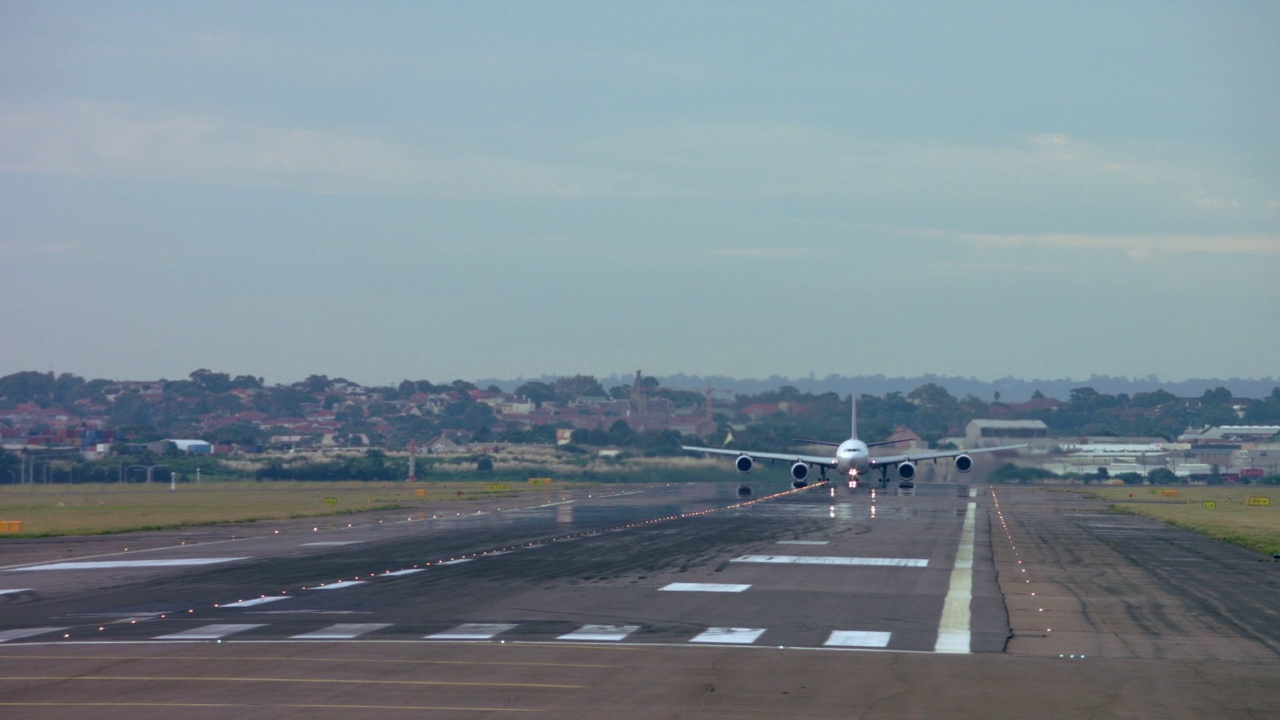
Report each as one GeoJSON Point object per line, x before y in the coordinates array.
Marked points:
{"type": "Point", "coordinates": [853, 420]}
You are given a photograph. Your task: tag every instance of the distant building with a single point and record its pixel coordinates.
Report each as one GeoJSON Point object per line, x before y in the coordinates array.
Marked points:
{"type": "Point", "coordinates": [194, 447]}
{"type": "Point", "coordinates": [985, 433]}
{"type": "Point", "coordinates": [1233, 433]}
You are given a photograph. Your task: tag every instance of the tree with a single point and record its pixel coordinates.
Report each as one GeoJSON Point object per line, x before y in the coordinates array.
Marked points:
{"type": "Point", "coordinates": [315, 384]}
{"type": "Point", "coordinates": [621, 434]}
{"type": "Point", "coordinates": [211, 382]}
{"type": "Point", "coordinates": [538, 392]}
{"type": "Point", "coordinates": [568, 389]}
{"type": "Point", "coordinates": [1162, 476]}
{"type": "Point", "coordinates": [484, 464]}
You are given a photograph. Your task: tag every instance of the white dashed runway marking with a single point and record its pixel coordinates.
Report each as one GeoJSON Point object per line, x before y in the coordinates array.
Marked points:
{"type": "Point", "coordinates": [400, 573]}
{"type": "Point", "coordinates": [858, 638]}
{"type": "Point", "coordinates": [330, 543]}
{"type": "Point", "coordinates": [472, 631]}
{"type": "Point", "coordinates": [338, 585]}
{"type": "Point", "coordinates": [20, 633]}
{"type": "Point", "coordinates": [112, 564]}
{"type": "Point", "coordinates": [454, 562]}
{"type": "Point", "coordinates": [600, 633]}
{"type": "Point", "coordinates": [14, 591]}
{"type": "Point", "coordinates": [704, 587]}
{"type": "Point", "coordinates": [209, 632]}
{"type": "Point", "coordinates": [729, 635]}
{"type": "Point", "coordinates": [803, 542]}
{"type": "Point", "coordinates": [342, 631]}
{"type": "Point", "coordinates": [817, 560]}
{"type": "Point", "coordinates": [256, 601]}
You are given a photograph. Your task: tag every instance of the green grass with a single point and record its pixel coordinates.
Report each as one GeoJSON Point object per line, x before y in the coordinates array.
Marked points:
{"type": "Point", "coordinates": [1232, 520]}
{"type": "Point", "coordinates": [47, 510]}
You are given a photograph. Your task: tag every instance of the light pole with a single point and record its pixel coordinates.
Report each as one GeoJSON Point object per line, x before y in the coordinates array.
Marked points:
{"type": "Point", "coordinates": [150, 471]}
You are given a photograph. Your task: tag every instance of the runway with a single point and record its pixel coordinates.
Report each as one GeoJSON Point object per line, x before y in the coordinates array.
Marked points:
{"type": "Point", "coordinates": [671, 601]}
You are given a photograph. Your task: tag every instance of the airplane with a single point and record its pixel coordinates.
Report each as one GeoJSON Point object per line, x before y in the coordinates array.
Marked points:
{"type": "Point", "coordinates": [852, 458]}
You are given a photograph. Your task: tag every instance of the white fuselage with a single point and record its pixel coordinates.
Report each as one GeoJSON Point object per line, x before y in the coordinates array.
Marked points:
{"type": "Point", "coordinates": [852, 457]}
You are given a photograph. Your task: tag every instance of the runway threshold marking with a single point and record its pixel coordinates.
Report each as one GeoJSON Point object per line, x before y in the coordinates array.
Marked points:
{"type": "Point", "coordinates": [20, 633]}
{"type": "Point", "coordinates": [729, 635]}
{"type": "Point", "coordinates": [472, 631]}
{"type": "Point", "coordinates": [858, 638]}
{"type": "Point", "coordinates": [953, 628]}
{"type": "Point", "coordinates": [341, 631]}
{"type": "Point", "coordinates": [600, 633]}
{"type": "Point", "coordinates": [703, 587]}
{"type": "Point", "coordinates": [114, 564]}
{"type": "Point", "coordinates": [210, 632]}
{"type": "Point", "coordinates": [828, 560]}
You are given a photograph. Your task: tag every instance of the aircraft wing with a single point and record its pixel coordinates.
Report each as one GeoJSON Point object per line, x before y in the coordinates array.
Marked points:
{"type": "Point", "coordinates": [822, 460]}
{"type": "Point", "coordinates": [935, 455]}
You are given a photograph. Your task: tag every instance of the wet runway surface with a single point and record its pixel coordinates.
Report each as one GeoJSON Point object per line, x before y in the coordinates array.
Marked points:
{"type": "Point", "coordinates": [671, 602]}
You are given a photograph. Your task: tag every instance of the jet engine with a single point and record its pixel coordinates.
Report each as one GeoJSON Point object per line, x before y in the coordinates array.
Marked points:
{"type": "Point", "coordinates": [799, 471]}
{"type": "Point", "coordinates": [964, 463]}
{"type": "Point", "coordinates": [906, 470]}
{"type": "Point", "coordinates": [744, 463]}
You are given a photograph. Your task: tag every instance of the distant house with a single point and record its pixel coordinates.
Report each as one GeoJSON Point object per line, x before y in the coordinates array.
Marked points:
{"type": "Point", "coordinates": [904, 439]}
{"type": "Point", "coordinates": [442, 444]}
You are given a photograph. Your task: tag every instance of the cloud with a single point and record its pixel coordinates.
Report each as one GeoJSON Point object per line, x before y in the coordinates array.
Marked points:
{"type": "Point", "coordinates": [96, 141]}
{"type": "Point", "coordinates": [1048, 176]}
{"type": "Point", "coordinates": [763, 253]}
{"type": "Point", "coordinates": [1138, 247]}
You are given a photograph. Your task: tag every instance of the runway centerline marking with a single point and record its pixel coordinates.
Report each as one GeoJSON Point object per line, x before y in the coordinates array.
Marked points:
{"type": "Point", "coordinates": [803, 542]}
{"type": "Point", "coordinates": [337, 585]}
{"type": "Point", "coordinates": [953, 627]}
{"type": "Point", "coordinates": [330, 542]}
{"type": "Point", "coordinates": [14, 591]}
{"type": "Point", "coordinates": [703, 587]}
{"type": "Point", "coordinates": [829, 560]}
{"type": "Point", "coordinates": [256, 601]}
{"type": "Point", "coordinates": [20, 633]}
{"type": "Point", "coordinates": [401, 573]}
{"type": "Point", "coordinates": [114, 564]}
{"type": "Point", "coordinates": [729, 635]}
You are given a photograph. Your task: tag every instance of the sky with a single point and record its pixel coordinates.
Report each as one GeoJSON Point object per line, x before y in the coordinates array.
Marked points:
{"type": "Point", "coordinates": [442, 190]}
